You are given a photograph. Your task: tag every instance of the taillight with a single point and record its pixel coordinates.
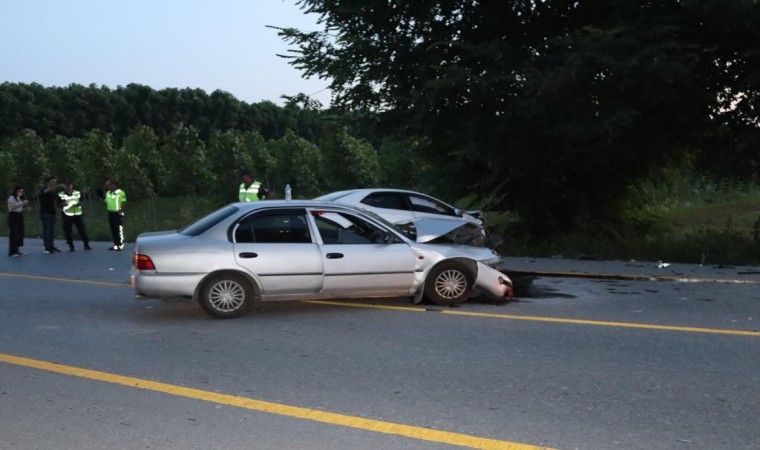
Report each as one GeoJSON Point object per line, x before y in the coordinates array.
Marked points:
{"type": "Point", "coordinates": [142, 262]}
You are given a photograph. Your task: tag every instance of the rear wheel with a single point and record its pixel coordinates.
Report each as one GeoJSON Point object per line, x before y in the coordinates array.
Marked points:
{"type": "Point", "coordinates": [449, 283]}
{"type": "Point", "coordinates": [226, 296]}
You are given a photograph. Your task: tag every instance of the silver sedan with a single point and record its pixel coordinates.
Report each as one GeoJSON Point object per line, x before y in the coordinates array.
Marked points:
{"type": "Point", "coordinates": [304, 249]}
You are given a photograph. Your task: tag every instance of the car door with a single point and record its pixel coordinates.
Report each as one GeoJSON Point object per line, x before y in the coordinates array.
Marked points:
{"type": "Point", "coordinates": [277, 248]}
{"type": "Point", "coordinates": [358, 262]}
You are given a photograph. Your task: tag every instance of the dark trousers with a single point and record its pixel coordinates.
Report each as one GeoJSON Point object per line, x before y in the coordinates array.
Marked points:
{"type": "Point", "coordinates": [74, 221]}
{"type": "Point", "coordinates": [16, 228]}
{"type": "Point", "coordinates": [116, 221]}
{"type": "Point", "coordinates": [48, 230]}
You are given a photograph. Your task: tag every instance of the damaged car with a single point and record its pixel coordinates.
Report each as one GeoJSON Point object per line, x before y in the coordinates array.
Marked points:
{"type": "Point", "coordinates": [246, 253]}
{"type": "Point", "coordinates": [406, 209]}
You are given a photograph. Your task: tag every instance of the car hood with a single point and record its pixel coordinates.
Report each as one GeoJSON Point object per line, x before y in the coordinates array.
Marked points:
{"type": "Point", "coordinates": [430, 229]}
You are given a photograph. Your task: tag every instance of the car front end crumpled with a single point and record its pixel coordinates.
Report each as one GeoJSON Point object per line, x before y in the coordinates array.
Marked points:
{"type": "Point", "coordinates": [493, 283]}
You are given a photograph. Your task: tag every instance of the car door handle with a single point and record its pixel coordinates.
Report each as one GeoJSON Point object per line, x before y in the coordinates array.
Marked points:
{"type": "Point", "coordinates": [248, 255]}
{"type": "Point", "coordinates": [334, 255]}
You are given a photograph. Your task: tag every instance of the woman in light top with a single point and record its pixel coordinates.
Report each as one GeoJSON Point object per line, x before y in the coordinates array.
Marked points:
{"type": "Point", "coordinates": [16, 204]}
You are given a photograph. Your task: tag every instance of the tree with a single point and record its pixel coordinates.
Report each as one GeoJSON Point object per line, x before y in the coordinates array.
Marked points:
{"type": "Point", "coordinates": [349, 162]}
{"type": "Point", "coordinates": [185, 153]}
{"type": "Point", "coordinates": [298, 163]}
{"type": "Point", "coordinates": [402, 164]}
{"type": "Point", "coordinates": [66, 159]}
{"type": "Point", "coordinates": [139, 153]}
{"type": "Point", "coordinates": [98, 161]}
{"type": "Point", "coordinates": [229, 152]}
{"type": "Point", "coordinates": [8, 177]}
{"type": "Point", "coordinates": [551, 108]}
{"type": "Point", "coordinates": [31, 163]}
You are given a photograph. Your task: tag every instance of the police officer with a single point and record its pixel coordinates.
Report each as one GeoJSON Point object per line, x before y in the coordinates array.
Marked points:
{"type": "Point", "coordinates": [250, 190]}
{"type": "Point", "coordinates": [71, 201]}
{"type": "Point", "coordinates": [115, 199]}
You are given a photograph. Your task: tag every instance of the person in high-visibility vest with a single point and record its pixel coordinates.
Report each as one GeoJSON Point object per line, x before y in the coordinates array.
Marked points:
{"type": "Point", "coordinates": [115, 199]}
{"type": "Point", "coordinates": [71, 213]}
{"type": "Point", "coordinates": [249, 188]}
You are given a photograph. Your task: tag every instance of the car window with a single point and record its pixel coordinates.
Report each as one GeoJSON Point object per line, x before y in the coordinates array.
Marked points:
{"type": "Point", "coordinates": [429, 205]}
{"type": "Point", "coordinates": [200, 226]}
{"type": "Point", "coordinates": [277, 227]}
{"type": "Point", "coordinates": [387, 200]}
{"type": "Point", "coordinates": [342, 228]}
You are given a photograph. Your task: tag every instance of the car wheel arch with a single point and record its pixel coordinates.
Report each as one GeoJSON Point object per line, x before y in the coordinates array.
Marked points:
{"type": "Point", "coordinates": [468, 269]}
{"type": "Point", "coordinates": [471, 264]}
{"type": "Point", "coordinates": [253, 284]}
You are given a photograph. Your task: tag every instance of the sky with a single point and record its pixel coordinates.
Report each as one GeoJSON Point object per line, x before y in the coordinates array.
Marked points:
{"type": "Point", "coordinates": [199, 44]}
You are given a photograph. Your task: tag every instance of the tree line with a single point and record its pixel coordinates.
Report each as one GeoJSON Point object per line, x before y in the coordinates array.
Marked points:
{"type": "Point", "coordinates": [184, 142]}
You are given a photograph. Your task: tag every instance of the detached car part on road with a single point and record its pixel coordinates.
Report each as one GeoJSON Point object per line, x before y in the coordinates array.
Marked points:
{"type": "Point", "coordinates": [295, 250]}
{"type": "Point", "coordinates": [406, 209]}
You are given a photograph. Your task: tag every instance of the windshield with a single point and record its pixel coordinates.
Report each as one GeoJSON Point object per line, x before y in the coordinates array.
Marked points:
{"type": "Point", "coordinates": [200, 226]}
{"type": "Point", "coordinates": [382, 220]}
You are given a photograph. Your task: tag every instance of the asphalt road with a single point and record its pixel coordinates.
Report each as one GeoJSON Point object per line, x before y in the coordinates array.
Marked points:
{"type": "Point", "coordinates": [591, 355]}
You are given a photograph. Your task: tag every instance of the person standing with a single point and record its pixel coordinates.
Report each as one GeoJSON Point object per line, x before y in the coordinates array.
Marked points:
{"type": "Point", "coordinates": [16, 204]}
{"type": "Point", "coordinates": [249, 188]}
{"type": "Point", "coordinates": [48, 198]}
{"type": "Point", "coordinates": [115, 199]}
{"type": "Point", "coordinates": [71, 214]}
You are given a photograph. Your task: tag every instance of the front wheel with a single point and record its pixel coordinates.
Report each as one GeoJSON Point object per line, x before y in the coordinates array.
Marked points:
{"type": "Point", "coordinates": [449, 283]}
{"type": "Point", "coordinates": [226, 296]}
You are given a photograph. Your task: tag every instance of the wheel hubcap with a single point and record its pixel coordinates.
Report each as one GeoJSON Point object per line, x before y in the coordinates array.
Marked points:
{"type": "Point", "coordinates": [227, 296]}
{"type": "Point", "coordinates": [451, 284]}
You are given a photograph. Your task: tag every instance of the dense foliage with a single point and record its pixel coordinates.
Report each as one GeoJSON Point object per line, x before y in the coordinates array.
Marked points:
{"type": "Point", "coordinates": [177, 142]}
{"type": "Point", "coordinates": [74, 110]}
{"type": "Point", "coordinates": [552, 108]}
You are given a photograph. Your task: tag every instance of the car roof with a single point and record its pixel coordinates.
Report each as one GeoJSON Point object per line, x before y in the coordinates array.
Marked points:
{"type": "Point", "coordinates": [290, 203]}
{"type": "Point", "coordinates": [378, 190]}
{"type": "Point", "coordinates": [266, 204]}
{"type": "Point", "coordinates": [340, 194]}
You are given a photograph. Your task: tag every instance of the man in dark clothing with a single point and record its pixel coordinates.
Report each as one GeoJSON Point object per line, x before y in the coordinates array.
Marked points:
{"type": "Point", "coordinates": [48, 213]}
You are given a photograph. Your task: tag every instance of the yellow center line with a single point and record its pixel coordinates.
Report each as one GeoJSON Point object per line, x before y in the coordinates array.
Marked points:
{"type": "Point", "coordinates": [64, 280]}
{"type": "Point", "coordinates": [602, 276]}
{"type": "Point", "coordinates": [645, 326]}
{"type": "Point", "coordinates": [361, 423]}
{"type": "Point", "coordinates": [546, 319]}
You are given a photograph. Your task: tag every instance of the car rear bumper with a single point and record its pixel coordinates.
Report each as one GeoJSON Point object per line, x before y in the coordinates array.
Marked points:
{"type": "Point", "coordinates": [151, 284]}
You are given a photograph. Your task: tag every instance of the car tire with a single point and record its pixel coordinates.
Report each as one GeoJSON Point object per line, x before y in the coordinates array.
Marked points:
{"type": "Point", "coordinates": [226, 296]}
{"type": "Point", "coordinates": [449, 283]}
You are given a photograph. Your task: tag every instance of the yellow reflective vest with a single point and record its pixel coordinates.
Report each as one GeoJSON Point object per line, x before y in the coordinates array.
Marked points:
{"type": "Point", "coordinates": [251, 193]}
{"type": "Point", "coordinates": [71, 206]}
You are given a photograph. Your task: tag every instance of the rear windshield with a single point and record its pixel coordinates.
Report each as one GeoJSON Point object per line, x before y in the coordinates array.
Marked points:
{"type": "Point", "coordinates": [209, 221]}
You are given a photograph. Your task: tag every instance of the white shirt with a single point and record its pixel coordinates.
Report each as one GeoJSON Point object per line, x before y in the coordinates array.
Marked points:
{"type": "Point", "coordinates": [15, 204]}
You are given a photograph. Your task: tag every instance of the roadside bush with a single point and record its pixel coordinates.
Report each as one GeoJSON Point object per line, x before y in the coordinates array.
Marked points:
{"type": "Point", "coordinates": [708, 245]}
